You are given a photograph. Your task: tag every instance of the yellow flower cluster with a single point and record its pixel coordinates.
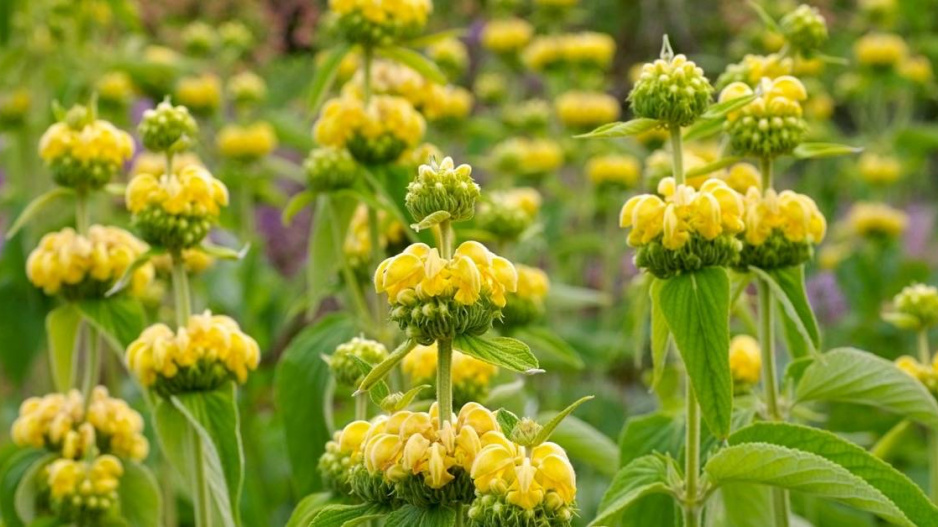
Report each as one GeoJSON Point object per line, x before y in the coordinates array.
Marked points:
{"type": "Point", "coordinates": [342, 454]}
{"type": "Point", "coordinates": [78, 265]}
{"type": "Point", "coordinates": [14, 106]}
{"type": "Point", "coordinates": [793, 215]}
{"type": "Point", "coordinates": [880, 50]}
{"type": "Point", "coordinates": [446, 103]}
{"type": "Point", "coordinates": [357, 245]}
{"type": "Point", "coordinates": [528, 157]}
{"type": "Point", "coordinates": [753, 68]}
{"type": "Point", "coordinates": [386, 12]}
{"type": "Point", "coordinates": [584, 110]}
{"type": "Point", "coordinates": [195, 260]}
{"type": "Point", "coordinates": [867, 219]}
{"type": "Point", "coordinates": [413, 444]}
{"type": "Point", "coordinates": [389, 78]}
{"type": "Point", "coordinates": [60, 422]}
{"type": "Point", "coordinates": [420, 366]}
{"type": "Point", "coordinates": [115, 87]}
{"type": "Point", "coordinates": [583, 49]}
{"type": "Point", "coordinates": [87, 155]}
{"type": "Point", "coordinates": [506, 35]}
{"type": "Point", "coordinates": [526, 480]}
{"type": "Point", "coordinates": [927, 374]}
{"type": "Point", "coordinates": [615, 169]}
{"type": "Point", "coordinates": [713, 210]}
{"type": "Point", "coordinates": [246, 143]}
{"type": "Point", "coordinates": [191, 192]}
{"type": "Point", "coordinates": [85, 486]}
{"type": "Point", "coordinates": [916, 69]}
{"type": "Point", "coordinates": [533, 283]}
{"type": "Point", "coordinates": [741, 177]}
{"type": "Point", "coordinates": [772, 123]}
{"type": "Point", "coordinates": [201, 356]}
{"type": "Point", "coordinates": [745, 360]}
{"type": "Point", "coordinates": [879, 169]}
{"type": "Point", "coordinates": [451, 55]}
{"type": "Point", "coordinates": [347, 118]}
{"type": "Point", "coordinates": [472, 273]}
{"type": "Point", "coordinates": [201, 94]}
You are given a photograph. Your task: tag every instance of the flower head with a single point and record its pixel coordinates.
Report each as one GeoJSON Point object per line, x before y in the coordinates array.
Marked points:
{"type": "Point", "coordinates": [342, 454]}
{"type": "Point", "coordinates": [246, 88]}
{"type": "Point", "coordinates": [804, 28]}
{"type": "Point", "coordinates": [201, 94]}
{"type": "Point", "coordinates": [451, 55]}
{"type": "Point", "coordinates": [246, 143]}
{"type": "Point", "coordinates": [879, 169]}
{"type": "Point", "coordinates": [915, 308]}
{"type": "Point", "coordinates": [207, 352]}
{"type": "Point", "coordinates": [167, 128]}
{"type": "Point", "coordinates": [447, 104]}
{"type": "Point", "coordinates": [14, 108]}
{"type": "Point", "coordinates": [344, 361]}
{"type": "Point", "coordinates": [781, 228]}
{"type": "Point", "coordinates": [876, 220]}
{"type": "Point", "coordinates": [442, 187]}
{"type": "Point", "coordinates": [376, 132]}
{"type": "Point", "coordinates": [582, 110]}
{"type": "Point", "coordinates": [585, 50]}
{"type": "Point", "coordinates": [880, 50]}
{"type": "Point", "coordinates": [531, 158]}
{"type": "Point", "coordinates": [84, 153]}
{"type": "Point", "coordinates": [506, 36]}
{"type": "Point", "coordinates": [673, 90]}
{"type": "Point", "coordinates": [614, 170]}
{"type": "Point", "coordinates": [753, 68]}
{"type": "Point", "coordinates": [380, 22]}
{"type": "Point", "coordinates": [84, 489]}
{"type": "Point", "coordinates": [115, 87]}
{"type": "Point", "coordinates": [507, 214]}
{"type": "Point", "coordinates": [745, 360]}
{"type": "Point", "coordinates": [926, 374]}
{"type": "Point", "coordinates": [773, 123]}
{"type": "Point", "coordinates": [527, 304]}
{"type": "Point", "coordinates": [83, 266]}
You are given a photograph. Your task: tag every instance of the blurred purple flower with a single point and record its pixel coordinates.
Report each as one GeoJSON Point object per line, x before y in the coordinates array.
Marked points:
{"type": "Point", "coordinates": [921, 226]}
{"type": "Point", "coordinates": [286, 244]}
{"type": "Point", "coordinates": [826, 297]}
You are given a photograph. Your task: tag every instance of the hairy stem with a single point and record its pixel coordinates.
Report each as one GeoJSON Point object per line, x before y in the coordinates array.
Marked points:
{"type": "Point", "coordinates": [692, 460]}
{"type": "Point", "coordinates": [924, 354]}
{"type": "Point", "coordinates": [444, 379]}
{"type": "Point", "coordinates": [82, 219]}
{"type": "Point", "coordinates": [780, 504]}
{"type": "Point", "coordinates": [361, 407]}
{"type": "Point", "coordinates": [92, 362]}
{"type": "Point", "coordinates": [677, 153]}
{"type": "Point", "coordinates": [767, 173]}
{"type": "Point", "coordinates": [446, 239]}
{"type": "Point", "coordinates": [181, 290]}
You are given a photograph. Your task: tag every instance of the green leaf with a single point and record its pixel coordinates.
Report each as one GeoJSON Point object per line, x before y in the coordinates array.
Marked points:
{"type": "Point", "coordinates": [297, 203]}
{"type": "Point", "coordinates": [405, 399]}
{"type": "Point", "coordinates": [139, 495]}
{"type": "Point", "coordinates": [138, 262]}
{"type": "Point", "coordinates": [414, 61]}
{"type": "Point", "coordinates": [741, 505]}
{"type": "Point", "coordinates": [308, 508]}
{"type": "Point", "coordinates": [853, 376]}
{"type": "Point", "coordinates": [642, 477]}
{"type": "Point", "coordinates": [412, 516]}
{"type": "Point", "coordinates": [697, 306]}
{"type": "Point", "coordinates": [11, 474]}
{"type": "Point", "coordinates": [547, 346]}
{"type": "Point", "coordinates": [340, 515]}
{"type": "Point", "coordinates": [504, 352]}
{"type": "Point", "coordinates": [794, 302]}
{"type": "Point", "coordinates": [30, 488]}
{"type": "Point", "coordinates": [433, 219]}
{"type": "Point", "coordinates": [506, 420]}
{"type": "Point", "coordinates": [719, 110]}
{"type": "Point", "coordinates": [225, 253]}
{"type": "Point", "coordinates": [817, 461]}
{"type": "Point", "coordinates": [816, 150]}
{"type": "Point", "coordinates": [381, 370]}
{"type": "Point", "coordinates": [623, 129]}
{"type": "Point", "coordinates": [326, 235]}
{"type": "Point", "coordinates": [116, 189]}
{"type": "Point", "coordinates": [585, 443]}
{"type": "Point", "coordinates": [548, 428]}
{"type": "Point", "coordinates": [719, 164]}
{"type": "Point", "coordinates": [379, 390]}
{"type": "Point", "coordinates": [119, 320]}
{"type": "Point", "coordinates": [36, 206]}
{"type": "Point", "coordinates": [702, 129]}
{"type": "Point", "coordinates": [302, 376]}
{"type": "Point", "coordinates": [660, 333]}
{"type": "Point", "coordinates": [325, 76]}
{"type": "Point", "coordinates": [650, 433]}
{"type": "Point", "coordinates": [62, 327]}
{"type": "Point", "coordinates": [424, 41]}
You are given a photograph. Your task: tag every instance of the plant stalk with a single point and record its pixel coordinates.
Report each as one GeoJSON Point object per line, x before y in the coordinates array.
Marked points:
{"type": "Point", "coordinates": [780, 503]}
{"type": "Point", "coordinates": [446, 239]}
{"type": "Point", "coordinates": [202, 504]}
{"type": "Point", "coordinates": [767, 173]}
{"type": "Point", "coordinates": [677, 155]}
{"type": "Point", "coordinates": [92, 362]}
{"type": "Point", "coordinates": [924, 354]}
{"type": "Point", "coordinates": [361, 407]}
{"type": "Point", "coordinates": [692, 459]}
{"type": "Point", "coordinates": [82, 220]}
{"type": "Point", "coordinates": [444, 379]}
{"type": "Point", "coordinates": [181, 290]}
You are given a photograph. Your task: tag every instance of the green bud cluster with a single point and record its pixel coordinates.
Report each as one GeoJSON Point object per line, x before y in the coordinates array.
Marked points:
{"type": "Point", "coordinates": [335, 467]}
{"type": "Point", "coordinates": [519, 312]}
{"type": "Point", "coordinates": [776, 252]}
{"type": "Point", "coordinates": [83, 175]}
{"type": "Point", "coordinates": [84, 510]}
{"type": "Point", "coordinates": [917, 307]}
{"type": "Point", "coordinates": [698, 253]}
{"type": "Point", "coordinates": [427, 320]}
{"type": "Point", "coordinates": [805, 29]}
{"type": "Point", "coordinates": [412, 489]}
{"type": "Point", "coordinates": [199, 39]}
{"type": "Point", "coordinates": [490, 88]}
{"type": "Point", "coordinates": [765, 133]}
{"type": "Point", "coordinates": [359, 30]}
{"type": "Point", "coordinates": [493, 510]}
{"type": "Point", "coordinates": [504, 221]}
{"type": "Point", "coordinates": [203, 376]}
{"type": "Point", "coordinates": [372, 488]}
{"type": "Point", "coordinates": [329, 168]}
{"type": "Point", "coordinates": [673, 90]}
{"type": "Point", "coordinates": [343, 365]}
{"type": "Point", "coordinates": [376, 151]}
{"type": "Point", "coordinates": [235, 36]}
{"type": "Point", "coordinates": [531, 116]}
{"type": "Point", "coordinates": [159, 228]}
{"type": "Point", "coordinates": [442, 187]}
{"type": "Point", "coordinates": [167, 128]}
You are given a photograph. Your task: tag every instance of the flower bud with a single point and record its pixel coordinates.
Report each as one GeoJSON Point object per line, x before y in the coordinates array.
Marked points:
{"type": "Point", "coordinates": [235, 36]}
{"type": "Point", "coordinates": [876, 221]}
{"type": "Point", "coordinates": [201, 94]}
{"type": "Point", "coordinates": [115, 88]}
{"type": "Point", "coordinates": [374, 133]}
{"type": "Point", "coordinates": [753, 68]}
{"type": "Point", "coordinates": [450, 55]}
{"type": "Point", "coordinates": [442, 187]}
{"type": "Point", "coordinates": [581, 110]}
{"type": "Point", "coordinates": [506, 36]}
{"type": "Point", "coordinates": [672, 89]}
{"type": "Point", "coordinates": [528, 158]}
{"type": "Point", "coordinates": [329, 169]}
{"type": "Point", "coordinates": [613, 171]}
{"type": "Point", "coordinates": [14, 108]}
{"type": "Point", "coordinates": [199, 39]}
{"type": "Point", "coordinates": [246, 143]}
{"type": "Point", "coordinates": [84, 153]}
{"type": "Point", "coordinates": [346, 369]}
{"type": "Point", "coordinates": [490, 88]}
{"type": "Point", "coordinates": [773, 123]}
{"type": "Point", "coordinates": [167, 128]}
{"type": "Point", "coordinates": [83, 490]}
{"type": "Point", "coordinates": [372, 23]}
{"type": "Point", "coordinates": [915, 308]}
{"type": "Point", "coordinates": [508, 214]}
{"type": "Point", "coordinates": [247, 89]}
{"type": "Point", "coordinates": [805, 29]}
{"type": "Point", "coordinates": [879, 169]}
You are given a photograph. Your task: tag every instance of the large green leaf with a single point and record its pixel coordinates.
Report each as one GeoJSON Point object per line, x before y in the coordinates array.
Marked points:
{"type": "Point", "coordinates": [660, 333]}
{"type": "Point", "coordinates": [411, 516]}
{"type": "Point", "coordinates": [585, 443]}
{"type": "Point", "coordinates": [62, 328]}
{"type": "Point", "coordinates": [740, 505]}
{"type": "Point", "coordinates": [340, 515]}
{"type": "Point", "coordinates": [697, 306]}
{"type": "Point", "coordinates": [794, 301]}
{"type": "Point", "coordinates": [854, 376]}
{"type": "Point", "coordinates": [549, 347]}
{"type": "Point", "coordinates": [119, 320]}
{"type": "Point", "coordinates": [655, 433]}
{"type": "Point", "coordinates": [818, 462]}
{"type": "Point", "coordinates": [139, 495]}
{"type": "Point", "coordinates": [325, 76]}
{"type": "Point", "coordinates": [642, 477]}
{"type": "Point", "coordinates": [327, 233]}
{"type": "Point", "coordinates": [29, 489]}
{"type": "Point", "coordinates": [308, 508]}
{"type": "Point", "coordinates": [11, 474]}
{"type": "Point", "coordinates": [504, 352]}
{"type": "Point", "coordinates": [302, 376]}
{"type": "Point", "coordinates": [628, 128]}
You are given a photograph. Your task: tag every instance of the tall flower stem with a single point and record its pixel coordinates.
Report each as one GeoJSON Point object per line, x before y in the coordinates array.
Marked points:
{"type": "Point", "coordinates": [92, 362]}
{"type": "Point", "coordinates": [82, 220]}
{"type": "Point", "coordinates": [444, 379]}
{"type": "Point", "coordinates": [361, 407]}
{"type": "Point", "coordinates": [924, 355]}
{"type": "Point", "coordinates": [201, 502]}
{"type": "Point", "coordinates": [677, 154]}
{"type": "Point", "coordinates": [446, 239]}
{"type": "Point", "coordinates": [780, 502]}
{"type": "Point", "coordinates": [692, 460]}
{"type": "Point", "coordinates": [183, 299]}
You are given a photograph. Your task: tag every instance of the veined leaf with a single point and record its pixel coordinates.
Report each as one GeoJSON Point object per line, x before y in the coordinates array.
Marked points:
{"type": "Point", "coordinates": [308, 508]}
{"type": "Point", "coordinates": [36, 206]}
{"type": "Point", "coordinates": [414, 61]}
{"type": "Point", "coordinates": [657, 432]}
{"type": "Point", "coordinates": [139, 496]}
{"type": "Point", "coordinates": [120, 320]}
{"type": "Point", "coordinates": [702, 129]}
{"type": "Point", "coordinates": [548, 346]}
{"type": "Point", "coordinates": [642, 477]}
{"type": "Point", "coordinates": [506, 421]}
{"type": "Point", "coordinates": [11, 474]}
{"type": "Point", "coordinates": [62, 328]}
{"type": "Point", "coordinates": [697, 306]}
{"type": "Point", "coordinates": [718, 110]}
{"type": "Point", "coordinates": [794, 302]}
{"type": "Point", "coordinates": [325, 76]}
{"type": "Point", "coordinates": [340, 515]}
{"type": "Point", "coordinates": [815, 150]}
{"type": "Point", "coordinates": [622, 129]}
{"type": "Point", "coordinates": [412, 516]}
{"type": "Point", "coordinates": [504, 352]}
{"type": "Point", "coordinates": [549, 427]}
{"type": "Point", "coordinates": [854, 376]}
{"type": "Point", "coordinates": [297, 203]}
{"type": "Point", "coordinates": [433, 219]}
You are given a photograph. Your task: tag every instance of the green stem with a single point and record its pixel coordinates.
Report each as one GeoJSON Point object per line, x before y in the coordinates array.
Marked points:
{"type": "Point", "coordinates": [677, 153]}
{"type": "Point", "coordinates": [181, 290]}
{"type": "Point", "coordinates": [444, 379]}
{"type": "Point", "coordinates": [924, 354]}
{"type": "Point", "coordinates": [81, 212]}
{"type": "Point", "coordinates": [924, 351]}
{"type": "Point", "coordinates": [201, 504]}
{"type": "Point", "coordinates": [361, 407]}
{"type": "Point", "coordinates": [766, 165]}
{"type": "Point", "coordinates": [366, 85]}
{"type": "Point", "coordinates": [692, 460]}
{"type": "Point", "coordinates": [892, 439]}
{"type": "Point", "coordinates": [351, 281]}
{"type": "Point", "coordinates": [92, 362]}
{"type": "Point", "coordinates": [446, 239]}
{"type": "Point", "coordinates": [780, 504]}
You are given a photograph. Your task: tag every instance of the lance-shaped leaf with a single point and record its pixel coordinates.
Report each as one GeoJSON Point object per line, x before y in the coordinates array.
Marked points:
{"type": "Point", "coordinates": [506, 420]}
{"type": "Point", "coordinates": [29, 489]}
{"type": "Point", "coordinates": [548, 428]}
{"type": "Point", "coordinates": [119, 320]}
{"type": "Point", "coordinates": [138, 262]}
{"type": "Point", "coordinates": [623, 129]}
{"type": "Point", "coordinates": [719, 164]}
{"type": "Point", "coordinates": [787, 286]}
{"type": "Point", "coordinates": [697, 306]}
{"type": "Point", "coordinates": [380, 390]}
{"type": "Point", "coordinates": [298, 202]}
{"type": "Point", "coordinates": [62, 328]}
{"type": "Point", "coordinates": [325, 76]}
{"type": "Point", "coordinates": [433, 219]}
{"type": "Point", "coordinates": [504, 352]}
{"type": "Point", "coordinates": [702, 129]}
{"type": "Point", "coordinates": [815, 150]}
{"type": "Point", "coordinates": [424, 41]}
{"type": "Point", "coordinates": [642, 477]}
{"type": "Point", "coordinates": [853, 376]}
{"type": "Point", "coordinates": [398, 401]}
{"type": "Point", "coordinates": [414, 61]}
{"type": "Point", "coordinates": [716, 111]}
{"type": "Point", "coordinates": [36, 206]}
{"type": "Point", "coordinates": [225, 253]}
{"type": "Point", "coordinates": [413, 516]}
{"type": "Point", "coordinates": [381, 370]}
{"type": "Point", "coordinates": [340, 515]}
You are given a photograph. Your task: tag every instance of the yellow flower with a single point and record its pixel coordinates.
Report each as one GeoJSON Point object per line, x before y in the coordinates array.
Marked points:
{"type": "Point", "coordinates": [451, 55]}
{"type": "Point", "coordinates": [86, 155]}
{"type": "Point", "coordinates": [247, 87]}
{"type": "Point", "coordinates": [14, 105]}
{"type": "Point", "coordinates": [189, 359]}
{"type": "Point", "coordinates": [390, 78]}
{"type": "Point", "coordinates": [713, 210]}
{"type": "Point", "coordinates": [89, 486]}
{"type": "Point", "coordinates": [533, 283]}
{"type": "Point", "coordinates": [772, 123]}
{"type": "Point", "coordinates": [582, 109]}
{"type": "Point", "coordinates": [583, 49]}
{"type": "Point", "coordinates": [115, 87]}
{"type": "Point", "coordinates": [447, 103]}
{"type": "Point", "coordinates": [201, 94]}
{"type": "Point", "coordinates": [620, 169]}
{"type": "Point", "coordinates": [77, 265]}
{"type": "Point", "coordinates": [191, 192]}
{"type": "Point", "coordinates": [794, 215]}
{"type": "Point", "coordinates": [879, 169]}
{"type": "Point", "coordinates": [927, 374]}
{"type": "Point", "coordinates": [753, 68]}
{"type": "Point", "coordinates": [506, 35]}
{"type": "Point", "coordinates": [502, 467]}
{"type": "Point", "coordinates": [247, 143]}
{"type": "Point", "coordinates": [528, 157]}
{"type": "Point", "coordinates": [386, 12]}
{"type": "Point", "coordinates": [366, 130]}
{"type": "Point", "coordinates": [880, 50]}
{"type": "Point", "coordinates": [867, 219]}
{"type": "Point", "coordinates": [745, 359]}
{"type": "Point", "coordinates": [742, 176]}
{"type": "Point", "coordinates": [916, 69]}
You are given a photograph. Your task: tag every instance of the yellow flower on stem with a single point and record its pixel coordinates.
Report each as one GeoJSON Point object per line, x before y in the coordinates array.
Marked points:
{"type": "Point", "coordinates": [745, 360]}
{"type": "Point", "coordinates": [84, 153]}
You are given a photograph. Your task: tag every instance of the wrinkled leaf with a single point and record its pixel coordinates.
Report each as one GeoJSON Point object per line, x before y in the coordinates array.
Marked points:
{"type": "Point", "coordinates": [504, 352]}
{"type": "Point", "coordinates": [642, 477]}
